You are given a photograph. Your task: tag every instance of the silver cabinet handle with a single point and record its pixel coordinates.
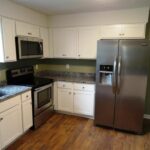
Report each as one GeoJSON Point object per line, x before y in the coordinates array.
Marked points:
{"type": "Point", "coordinates": [119, 74]}
{"type": "Point", "coordinates": [74, 93]}
{"type": "Point", "coordinates": [114, 76]}
{"type": "Point", "coordinates": [1, 119]}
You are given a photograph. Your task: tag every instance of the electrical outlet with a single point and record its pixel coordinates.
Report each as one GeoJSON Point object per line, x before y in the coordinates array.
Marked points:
{"type": "Point", "coordinates": [36, 67]}
{"type": "Point", "coordinates": [67, 66]}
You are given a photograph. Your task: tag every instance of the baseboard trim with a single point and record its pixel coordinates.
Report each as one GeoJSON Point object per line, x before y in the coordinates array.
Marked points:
{"type": "Point", "coordinates": [146, 116]}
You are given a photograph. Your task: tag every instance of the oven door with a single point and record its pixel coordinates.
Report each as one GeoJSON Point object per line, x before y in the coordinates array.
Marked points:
{"type": "Point", "coordinates": [42, 98]}
{"type": "Point", "coordinates": [29, 47]}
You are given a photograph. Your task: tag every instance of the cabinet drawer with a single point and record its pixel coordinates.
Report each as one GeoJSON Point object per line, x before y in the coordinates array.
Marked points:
{"type": "Point", "coordinates": [84, 87]}
{"type": "Point", "coordinates": [26, 96]}
{"type": "Point", "coordinates": [65, 85]}
{"type": "Point", "coordinates": [5, 105]}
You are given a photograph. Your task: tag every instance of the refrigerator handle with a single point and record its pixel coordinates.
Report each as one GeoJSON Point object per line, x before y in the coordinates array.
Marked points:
{"type": "Point", "coordinates": [119, 74]}
{"type": "Point", "coordinates": [114, 76]}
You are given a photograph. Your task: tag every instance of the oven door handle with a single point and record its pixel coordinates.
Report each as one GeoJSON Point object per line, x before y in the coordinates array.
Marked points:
{"type": "Point", "coordinates": [43, 87]}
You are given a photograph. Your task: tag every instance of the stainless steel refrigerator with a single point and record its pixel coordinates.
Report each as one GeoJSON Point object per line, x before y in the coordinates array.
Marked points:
{"type": "Point", "coordinates": [121, 83]}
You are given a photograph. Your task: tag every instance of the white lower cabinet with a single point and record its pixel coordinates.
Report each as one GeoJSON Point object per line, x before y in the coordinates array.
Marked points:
{"type": "Point", "coordinates": [65, 100]}
{"type": "Point", "coordinates": [76, 98]}
{"type": "Point", "coordinates": [55, 95]}
{"type": "Point", "coordinates": [83, 102]}
{"type": "Point", "coordinates": [15, 118]}
{"type": "Point", "coordinates": [27, 117]}
{"type": "Point", "coordinates": [10, 124]}
{"type": "Point", "coordinates": [27, 114]}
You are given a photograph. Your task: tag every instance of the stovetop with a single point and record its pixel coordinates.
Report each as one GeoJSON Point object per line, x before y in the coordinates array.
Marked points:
{"type": "Point", "coordinates": [36, 82]}
{"type": "Point", "coordinates": [25, 76]}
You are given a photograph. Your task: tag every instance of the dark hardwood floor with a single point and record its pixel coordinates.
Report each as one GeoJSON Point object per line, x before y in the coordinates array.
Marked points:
{"type": "Point", "coordinates": [64, 132]}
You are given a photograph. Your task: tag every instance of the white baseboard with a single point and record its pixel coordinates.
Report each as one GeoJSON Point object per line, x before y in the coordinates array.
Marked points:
{"type": "Point", "coordinates": [146, 116]}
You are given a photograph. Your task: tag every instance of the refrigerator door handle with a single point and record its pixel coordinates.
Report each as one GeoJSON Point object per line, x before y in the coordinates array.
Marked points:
{"type": "Point", "coordinates": [114, 76]}
{"type": "Point", "coordinates": [119, 75]}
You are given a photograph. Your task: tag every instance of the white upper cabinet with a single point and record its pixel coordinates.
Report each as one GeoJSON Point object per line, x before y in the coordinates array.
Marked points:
{"type": "Point", "coordinates": [7, 40]}
{"type": "Point", "coordinates": [111, 31]}
{"type": "Point", "coordinates": [65, 42]}
{"type": "Point", "coordinates": [134, 31]}
{"type": "Point", "coordinates": [26, 29]}
{"type": "Point", "coordinates": [44, 34]}
{"type": "Point", "coordinates": [88, 37]}
{"type": "Point", "coordinates": [127, 31]}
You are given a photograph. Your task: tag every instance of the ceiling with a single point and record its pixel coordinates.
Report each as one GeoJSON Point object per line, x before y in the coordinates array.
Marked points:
{"type": "Point", "coordinates": [52, 7]}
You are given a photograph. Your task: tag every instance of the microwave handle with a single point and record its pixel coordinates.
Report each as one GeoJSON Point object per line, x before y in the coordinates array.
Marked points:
{"type": "Point", "coordinates": [41, 47]}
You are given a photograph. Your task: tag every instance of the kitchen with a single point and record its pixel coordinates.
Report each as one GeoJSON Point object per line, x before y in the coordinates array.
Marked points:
{"type": "Point", "coordinates": [69, 58]}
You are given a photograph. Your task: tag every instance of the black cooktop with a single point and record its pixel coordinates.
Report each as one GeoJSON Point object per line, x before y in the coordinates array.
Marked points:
{"type": "Point", "coordinates": [36, 82]}
{"type": "Point", "coordinates": [25, 76]}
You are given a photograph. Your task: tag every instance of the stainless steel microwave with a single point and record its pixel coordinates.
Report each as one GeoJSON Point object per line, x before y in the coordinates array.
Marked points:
{"type": "Point", "coordinates": [29, 47]}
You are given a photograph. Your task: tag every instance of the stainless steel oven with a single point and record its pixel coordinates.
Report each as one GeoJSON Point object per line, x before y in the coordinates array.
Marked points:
{"type": "Point", "coordinates": [29, 47]}
{"type": "Point", "coordinates": [42, 98]}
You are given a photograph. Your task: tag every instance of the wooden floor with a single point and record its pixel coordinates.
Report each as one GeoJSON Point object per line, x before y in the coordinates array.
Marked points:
{"type": "Point", "coordinates": [64, 132]}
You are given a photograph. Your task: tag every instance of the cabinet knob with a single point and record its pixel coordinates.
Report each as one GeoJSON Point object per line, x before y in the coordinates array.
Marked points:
{"type": "Point", "coordinates": [1, 119]}
{"type": "Point", "coordinates": [27, 96]}
{"type": "Point", "coordinates": [70, 93]}
{"type": "Point", "coordinates": [63, 85]}
{"type": "Point", "coordinates": [79, 55]}
{"type": "Point", "coordinates": [83, 87]}
{"type": "Point", "coordinates": [7, 57]}
{"type": "Point", "coordinates": [64, 55]}
{"type": "Point", "coordinates": [74, 93]}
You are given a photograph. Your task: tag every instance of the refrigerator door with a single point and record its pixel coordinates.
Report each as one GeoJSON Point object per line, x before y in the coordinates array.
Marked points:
{"type": "Point", "coordinates": [107, 52]}
{"type": "Point", "coordinates": [132, 84]}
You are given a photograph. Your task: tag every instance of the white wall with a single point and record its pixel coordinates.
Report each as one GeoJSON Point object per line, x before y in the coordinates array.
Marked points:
{"type": "Point", "coordinates": [138, 15]}
{"type": "Point", "coordinates": [15, 11]}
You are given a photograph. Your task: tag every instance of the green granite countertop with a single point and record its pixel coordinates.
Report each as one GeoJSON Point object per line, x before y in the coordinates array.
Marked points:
{"type": "Point", "coordinates": [9, 91]}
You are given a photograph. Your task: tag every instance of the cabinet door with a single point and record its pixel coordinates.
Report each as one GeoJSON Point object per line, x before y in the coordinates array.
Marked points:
{"type": "Point", "coordinates": [44, 34]}
{"type": "Point", "coordinates": [65, 100]}
{"type": "Point", "coordinates": [133, 31]}
{"type": "Point", "coordinates": [111, 31]}
{"type": "Point", "coordinates": [55, 94]}
{"type": "Point", "coordinates": [83, 102]}
{"type": "Point", "coordinates": [88, 37]}
{"type": "Point", "coordinates": [27, 114]}
{"type": "Point", "coordinates": [10, 125]}
{"type": "Point", "coordinates": [8, 28]}
{"type": "Point", "coordinates": [65, 42]}
{"type": "Point", "coordinates": [26, 29]}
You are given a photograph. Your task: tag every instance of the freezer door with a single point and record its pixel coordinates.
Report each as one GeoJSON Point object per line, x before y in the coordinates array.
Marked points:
{"type": "Point", "coordinates": [107, 52]}
{"type": "Point", "coordinates": [132, 84]}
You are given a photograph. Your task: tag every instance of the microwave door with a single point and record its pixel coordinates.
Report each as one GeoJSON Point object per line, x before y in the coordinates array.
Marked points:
{"type": "Point", "coordinates": [23, 48]}
{"type": "Point", "coordinates": [35, 49]}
